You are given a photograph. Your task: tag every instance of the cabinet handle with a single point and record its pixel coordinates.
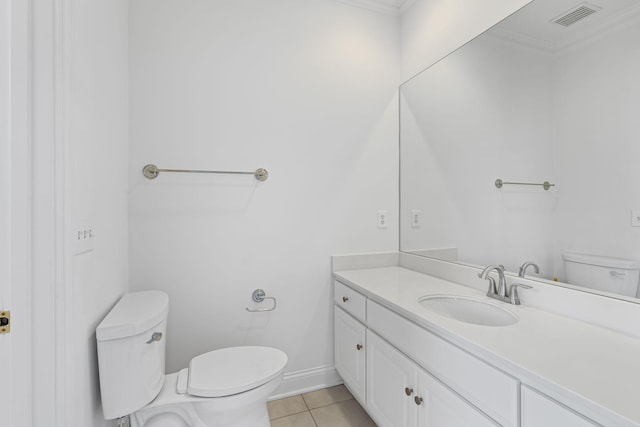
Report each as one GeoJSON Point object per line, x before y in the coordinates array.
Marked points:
{"type": "Point", "coordinates": [408, 391]}
{"type": "Point", "coordinates": [418, 400]}
{"type": "Point", "coordinates": [359, 347]}
{"type": "Point", "coordinates": [345, 299]}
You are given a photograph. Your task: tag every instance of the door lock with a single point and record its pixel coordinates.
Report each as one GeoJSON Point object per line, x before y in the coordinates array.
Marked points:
{"type": "Point", "coordinates": [5, 322]}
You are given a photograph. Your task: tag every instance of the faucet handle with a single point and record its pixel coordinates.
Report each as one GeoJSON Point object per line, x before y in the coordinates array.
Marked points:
{"type": "Point", "coordinates": [513, 292]}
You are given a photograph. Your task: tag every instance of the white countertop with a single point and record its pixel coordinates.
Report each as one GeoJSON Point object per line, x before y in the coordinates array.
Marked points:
{"type": "Point", "coordinates": [593, 370]}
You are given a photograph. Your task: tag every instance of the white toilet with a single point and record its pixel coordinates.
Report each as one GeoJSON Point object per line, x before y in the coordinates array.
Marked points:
{"type": "Point", "coordinates": [222, 388]}
{"type": "Point", "coordinates": [615, 275]}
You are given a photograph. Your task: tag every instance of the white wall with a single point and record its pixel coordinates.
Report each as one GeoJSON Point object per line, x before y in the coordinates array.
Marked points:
{"type": "Point", "coordinates": [97, 184]}
{"type": "Point", "coordinates": [431, 29]}
{"type": "Point", "coordinates": [307, 90]}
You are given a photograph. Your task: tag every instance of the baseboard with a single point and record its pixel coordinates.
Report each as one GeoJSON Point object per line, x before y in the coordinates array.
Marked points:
{"type": "Point", "coordinates": [307, 380]}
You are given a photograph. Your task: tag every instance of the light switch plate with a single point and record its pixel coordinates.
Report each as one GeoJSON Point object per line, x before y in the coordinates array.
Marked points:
{"type": "Point", "coordinates": [83, 237]}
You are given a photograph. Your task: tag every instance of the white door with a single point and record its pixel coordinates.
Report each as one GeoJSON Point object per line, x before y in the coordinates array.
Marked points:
{"type": "Point", "coordinates": [440, 407]}
{"type": "Point", "coordinates": [15, 361]}
{"type": "Point", "coordinates": [350, 338]}
{"type": "Point", "coordinates": [391, 384]}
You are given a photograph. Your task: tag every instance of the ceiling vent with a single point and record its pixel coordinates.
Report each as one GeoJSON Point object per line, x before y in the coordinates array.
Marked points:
{"type": "Point", "coordinates": [576, 14]}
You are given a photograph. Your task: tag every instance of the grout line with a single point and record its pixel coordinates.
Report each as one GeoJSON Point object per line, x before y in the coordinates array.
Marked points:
{"type": "Point", "coordinates": [332, 403]}
{"type": "Point", "coordinates": [288, 415]}
{"type": "Point", "coordinates": [313, 418]}
{"type": "Point", "coordinates": [306, 405]}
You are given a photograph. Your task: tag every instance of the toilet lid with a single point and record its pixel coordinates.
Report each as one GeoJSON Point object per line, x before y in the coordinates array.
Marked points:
{"type": "Point", "coordinates": [233, 370]}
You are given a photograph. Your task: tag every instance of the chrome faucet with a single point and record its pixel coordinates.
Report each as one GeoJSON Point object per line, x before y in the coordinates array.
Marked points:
{"type": "Point", "coordinates": [501, 292]}
{"type": "Point", "coordinates": [501, 289]}
{"type": "Point", "coordinates": [523, 268]}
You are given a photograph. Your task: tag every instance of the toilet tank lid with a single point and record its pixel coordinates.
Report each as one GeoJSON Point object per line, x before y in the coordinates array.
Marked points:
{"type": "Point", "coordinates": [135, 313]}
{"type": "Point", "coordinates": [602, 261]}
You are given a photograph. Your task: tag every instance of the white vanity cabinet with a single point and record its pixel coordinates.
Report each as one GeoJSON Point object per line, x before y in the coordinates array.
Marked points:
{"type": "Point", "coordinates": [401, 394]}
{"type": "Point", "coordinates": [487, 388]}
{"type": "Point", "coordinates": [350, 348]}
{"type": "Point", "coordinates": [394, 389]}
{"type": "Point", "coordinates": [540, 411]}
{"type": "Point", "coordinates": [471, 375]}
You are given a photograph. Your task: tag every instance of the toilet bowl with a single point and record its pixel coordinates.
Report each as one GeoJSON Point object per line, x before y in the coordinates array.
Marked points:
{"type": "Point", "coordinates": [228, 387]}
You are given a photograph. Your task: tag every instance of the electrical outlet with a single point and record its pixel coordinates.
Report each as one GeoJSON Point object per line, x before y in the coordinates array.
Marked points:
{"type": "Point", "coordinates": [382, 219]}
{"type": "Point", "coordinates": [635, 218]}
{"type": "Point", "coordinates": [415, 219]}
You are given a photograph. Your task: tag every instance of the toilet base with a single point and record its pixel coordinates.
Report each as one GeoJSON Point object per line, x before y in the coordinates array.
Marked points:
{"type": "Point", "coordinates": [255, 417]}
{"type": "Point", "coordinates": [170, 409]}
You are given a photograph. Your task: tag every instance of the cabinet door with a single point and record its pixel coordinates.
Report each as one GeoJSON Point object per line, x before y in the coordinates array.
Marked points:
{"type": "Point", "coordinates": [441, 407]}
{"type": "Point", "coordinates": [350, 350]}
{"type": "Point", "coordinates": [539, 411]}
{"type": "Point", "coordinates": [391, 385]}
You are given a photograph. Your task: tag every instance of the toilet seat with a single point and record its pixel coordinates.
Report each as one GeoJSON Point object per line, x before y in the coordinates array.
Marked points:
{"type": "Point", "coordinates": [230, 371]}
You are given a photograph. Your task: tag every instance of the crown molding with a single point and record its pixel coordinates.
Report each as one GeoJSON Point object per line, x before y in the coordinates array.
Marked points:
{"type": "Point", "coordinates": [389, 7]}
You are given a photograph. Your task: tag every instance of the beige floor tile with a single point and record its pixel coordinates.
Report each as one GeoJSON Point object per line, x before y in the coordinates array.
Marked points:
{"type": "Point", "coordinates": [343, 414]}
{"type": "Point", "coordinates": [326, 396]}
{"type": "Point", "coordinates": [303, 419]}
{"type": "Point", "coordinates": [285, 407]}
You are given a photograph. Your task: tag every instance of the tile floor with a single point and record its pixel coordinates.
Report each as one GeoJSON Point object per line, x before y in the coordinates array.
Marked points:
{"type": "Point", "coordinates": [329, 407]}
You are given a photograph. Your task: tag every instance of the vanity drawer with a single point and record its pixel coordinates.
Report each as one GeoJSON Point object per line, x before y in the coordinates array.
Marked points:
{"type": "Point", "coordinates": [351, 301]}
{"type": "Point", "coordinates": [493, 392]}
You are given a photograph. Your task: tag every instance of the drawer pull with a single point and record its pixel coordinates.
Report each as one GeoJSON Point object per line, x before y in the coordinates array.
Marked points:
{"type": "Point", "coordinates": [408, 391]}
{"type": "Point", "coordinates": [345, 299]}
{"type": "Point", "coordinates": [418, 400]}
{"type": "Point", "coordinates": [359, 347]}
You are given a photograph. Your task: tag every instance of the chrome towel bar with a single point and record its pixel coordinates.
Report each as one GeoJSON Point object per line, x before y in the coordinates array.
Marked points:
{"type": "Point", "coordinates": [152, 172]}
{"type": "Point", "coordinates": [546, 185]}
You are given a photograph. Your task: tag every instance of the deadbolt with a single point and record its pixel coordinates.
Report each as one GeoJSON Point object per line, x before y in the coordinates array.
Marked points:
{"type": "Point", "coordinates": [5, 322]}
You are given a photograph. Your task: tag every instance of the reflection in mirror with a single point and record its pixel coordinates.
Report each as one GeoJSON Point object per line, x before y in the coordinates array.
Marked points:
{"type": "Point", "coordinates": [550, 94]}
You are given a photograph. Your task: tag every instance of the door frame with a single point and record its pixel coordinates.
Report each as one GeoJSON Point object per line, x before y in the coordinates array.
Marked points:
{"type": "Point", "coordinates": [39, 239]}
{"type": "Point", "coordinates": [51, 357]}
{"type": "Point", "coordinates": [20, 145]}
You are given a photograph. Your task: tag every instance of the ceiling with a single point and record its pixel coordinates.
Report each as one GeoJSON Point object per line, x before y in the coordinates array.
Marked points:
{"type": "Point", "coordinates": [534, 22]}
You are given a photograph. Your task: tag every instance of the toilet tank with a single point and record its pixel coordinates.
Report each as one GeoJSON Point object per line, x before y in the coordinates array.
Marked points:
{"type": "Point", "coordinates": [131, 352]}
{"type": "Point", "coordinates": [615, 275]}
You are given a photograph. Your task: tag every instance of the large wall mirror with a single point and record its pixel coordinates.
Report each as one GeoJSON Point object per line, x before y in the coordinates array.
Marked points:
{"type": "Point", "coordinates": [550, 94]}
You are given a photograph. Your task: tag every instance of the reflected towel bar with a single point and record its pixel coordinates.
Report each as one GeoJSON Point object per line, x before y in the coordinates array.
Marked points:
{"type": "Point", "coordinates": [546, 185]}
{"type": "Point", "coordinates": [152, 172]}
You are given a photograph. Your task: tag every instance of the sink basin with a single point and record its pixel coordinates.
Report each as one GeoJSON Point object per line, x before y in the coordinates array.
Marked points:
{"type": "Point", "coordinates": [468, 310]}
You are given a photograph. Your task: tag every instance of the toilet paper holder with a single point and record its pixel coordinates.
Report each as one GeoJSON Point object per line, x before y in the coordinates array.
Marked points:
{"type": "Point", "coordinates": [259, 296]}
